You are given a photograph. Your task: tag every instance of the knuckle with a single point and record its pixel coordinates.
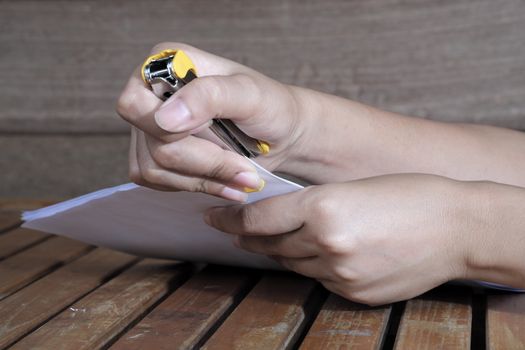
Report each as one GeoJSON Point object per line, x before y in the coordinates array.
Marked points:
{"type": "Point", "coordinates": [324, 208]}
{"type": "Point", "coordinates": [152, 176]}
{"type": "Point", "coordinates": [217, 169]}
{"type": "Point", "coordinates": [331, 242]}
{"type": "Point", "coordinates": [209, 88]}
{"type": "Point", "coordinates": [126, 105]}
{"type": "Point", "coordinates": [250, 84]}
{"type": "Point", "coordinates": [165, 45]}
{"type": "Point", "coordinates": [165, 156]}
{"type": "Point", "coordinates": [135, 176]}
{"type": "Point", "coordinates": [362, 297]}
{"type": "Point", "coordinates": [344, 273]}
{"type": "Point", "coordinates": [200, 185]}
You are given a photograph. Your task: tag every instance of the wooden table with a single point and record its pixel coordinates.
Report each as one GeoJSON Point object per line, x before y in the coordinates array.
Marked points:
{"type": "Point", "coordinates": [56, 293]}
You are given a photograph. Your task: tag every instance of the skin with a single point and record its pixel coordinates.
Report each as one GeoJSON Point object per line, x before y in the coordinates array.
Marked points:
{"type": "Point", "coordinates": [401, 204]}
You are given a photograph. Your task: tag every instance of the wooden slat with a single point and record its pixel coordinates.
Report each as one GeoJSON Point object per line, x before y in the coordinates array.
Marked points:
{"type": "Point", "coordinates": [96, 319]}
{"type": "Point", "coordinates": [437, 320]}
{"type": "Point", "coordinates": [19, 204]}
{"type": "Point", "coordinates": [11, 209]}
{"type": "Point", "coordinates": [21, 269]}
{"type": "Point", "coordinates": [342, 324]}
{"type": "Point", "coordinates": [506, 321]}
{"type": "Point", "coordinates": [270, 317]}
{"type": "Point", "coordinates": [449, 60]}
{"type": "Point", "coordinates": [28, 308]}
{"type": "Point", "coordinates": [104, 162]}
{"type": "Point", "coordinates": [9, 219]}
{"type": "Point", "coordinates": [186, 315]}
{"type": "Point", "coordinates": [18, 239]}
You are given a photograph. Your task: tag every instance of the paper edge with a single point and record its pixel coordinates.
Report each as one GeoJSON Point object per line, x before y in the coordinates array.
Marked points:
{"type": "Point", "coordinates": [28, 216]}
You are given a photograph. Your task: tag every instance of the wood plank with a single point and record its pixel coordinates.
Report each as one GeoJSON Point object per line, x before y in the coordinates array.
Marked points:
{"type": "Point", "coordinates": [27, 309]}
{"type": "Point", "coordinates": [20, 204]}
{"type": "Point", "coordinates": [23, 268]}
{"type": "Point", "coordinates": [103, 163]}
{"type": "Point", "coordinates": [342, 324]}
{"type": "Point", "coordinates": [270, 317]}
{"type": "Point", "coordinates": [97, 318]}
{"type": "Point", "coordinates": [444, 60]}
{"type": "Point", "coordinates": [448, 60]}
{"type": "Point", "coordinates": [19, 239]}
{"type": "Point", "coordinates": [9, 219]}
{"type": "Point", "coordinates": [190, 312]}
{"type": "Point", "coordinates": [440, 319]}
{"type": "Point", "coordinates": [11, 208]}
{"type": "Point", "coordinates": [506, 321]}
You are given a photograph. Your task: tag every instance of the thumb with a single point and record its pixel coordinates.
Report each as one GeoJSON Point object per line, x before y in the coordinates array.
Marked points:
{"type": "Point", "coordinates": [237, 97]}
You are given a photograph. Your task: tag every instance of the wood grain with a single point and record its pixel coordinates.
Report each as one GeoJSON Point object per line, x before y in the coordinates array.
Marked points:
{"type": "Point", "coordinates": [20, 204]}
{"type": "Point", "coordinates": [342, 324]}
{"type": "Point", "coordinates": [66, 166]}
{"type": "Point", "coordinates": [27, 309]}
{"type": "Point", "coordinates": [450, 60]}
{"type": "Point", "coordinates": [506, 321]}
{"type": "Point", "coordinates": [96, 319]}
{"type": "Point", "coordinates": [11, 208]}
{"type": "Point", "coordinates": [190, 312]}
{"type": "Point", "coordinates": [438, 320]}
{"type": "Point", "coordinates": [19, 239]}
{"type": "Point", "coordinates": [455, 60]}
{"type": "Point", "coordinates": [269, 317]}
{"type": "Point", "coordinates": [23, 268]}
{"type": "Point", "coordinates": [9, 219]}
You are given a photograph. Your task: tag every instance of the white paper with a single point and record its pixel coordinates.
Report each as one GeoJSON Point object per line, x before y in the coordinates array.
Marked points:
{"type": "Point", "coordinates": [167, 225]}
{"type": "Point", "coordinates": [151, 223]}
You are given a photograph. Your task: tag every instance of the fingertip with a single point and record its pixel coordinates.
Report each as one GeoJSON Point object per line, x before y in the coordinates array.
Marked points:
{"type": "Point", "coordinates": [249, 181]}
{"type": "Point", "coordinates": [234, 195]}
{"type": "Point", "coordinates": [258, 188]}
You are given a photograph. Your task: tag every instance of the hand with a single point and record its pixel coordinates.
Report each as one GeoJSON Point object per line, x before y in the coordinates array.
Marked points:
{"type": "Point", "coordinates": [374, 241]}
{"type": "Point", "coordinates": [166, 155]}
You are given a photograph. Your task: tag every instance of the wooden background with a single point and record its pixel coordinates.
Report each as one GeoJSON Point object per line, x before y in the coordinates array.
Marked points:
{"type": "Point", "coordinates": [63, 64]}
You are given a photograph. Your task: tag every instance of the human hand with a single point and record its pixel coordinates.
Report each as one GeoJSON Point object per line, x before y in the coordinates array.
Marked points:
{"type": "Point", "coordinates": [374, 241]}
{"type": "Point", "coordinates": [164, 152]}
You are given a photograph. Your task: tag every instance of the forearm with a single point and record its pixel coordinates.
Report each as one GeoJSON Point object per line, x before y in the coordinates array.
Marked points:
{"type": "Point", "coordinates": [496, 234]}
{"type": "Point", "coordinates": [344, 140]}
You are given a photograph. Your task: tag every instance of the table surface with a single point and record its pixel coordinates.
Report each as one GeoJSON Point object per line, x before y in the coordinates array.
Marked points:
{"type": "Point", "coordinates": [56, 293]}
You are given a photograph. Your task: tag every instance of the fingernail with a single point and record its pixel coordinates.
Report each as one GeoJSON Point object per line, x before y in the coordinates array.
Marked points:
{"type": "Point", "coordinates": [234, 195]}
{"type": "Point", "coordinates": [173, 116]}
{"type": "Point", "coordinates": [249, 181]}
{"type": "Point", "coordinates": [257, 189]}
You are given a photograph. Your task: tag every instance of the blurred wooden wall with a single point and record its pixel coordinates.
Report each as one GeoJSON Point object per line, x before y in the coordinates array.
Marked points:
{"type": "Point", "coordinates": [63, 64]}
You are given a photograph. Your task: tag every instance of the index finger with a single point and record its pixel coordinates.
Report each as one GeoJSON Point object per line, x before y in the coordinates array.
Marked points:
{"type": "Point", "coordinates": [137, 104]}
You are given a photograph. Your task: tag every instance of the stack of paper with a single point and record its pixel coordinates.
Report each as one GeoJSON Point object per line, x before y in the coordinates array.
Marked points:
{"type": "Point", "coordinates": [152, 223]}
{"type": "Point", "coordinates": [157, 224]}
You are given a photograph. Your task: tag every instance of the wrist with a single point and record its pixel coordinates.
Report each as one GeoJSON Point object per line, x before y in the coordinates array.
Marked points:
{"type": "Point", "coordinates": [323, 148]}
{"type": "Point", "coordinates": [497, 231]}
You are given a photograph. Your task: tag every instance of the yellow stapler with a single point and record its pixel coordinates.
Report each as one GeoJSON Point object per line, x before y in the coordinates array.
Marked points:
{"type": "Point", "coordinates": [168, 71]}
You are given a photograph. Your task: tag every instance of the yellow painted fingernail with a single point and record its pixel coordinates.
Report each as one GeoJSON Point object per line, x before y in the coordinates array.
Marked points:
{"type": "Point", "coordinates": [258, 189]}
